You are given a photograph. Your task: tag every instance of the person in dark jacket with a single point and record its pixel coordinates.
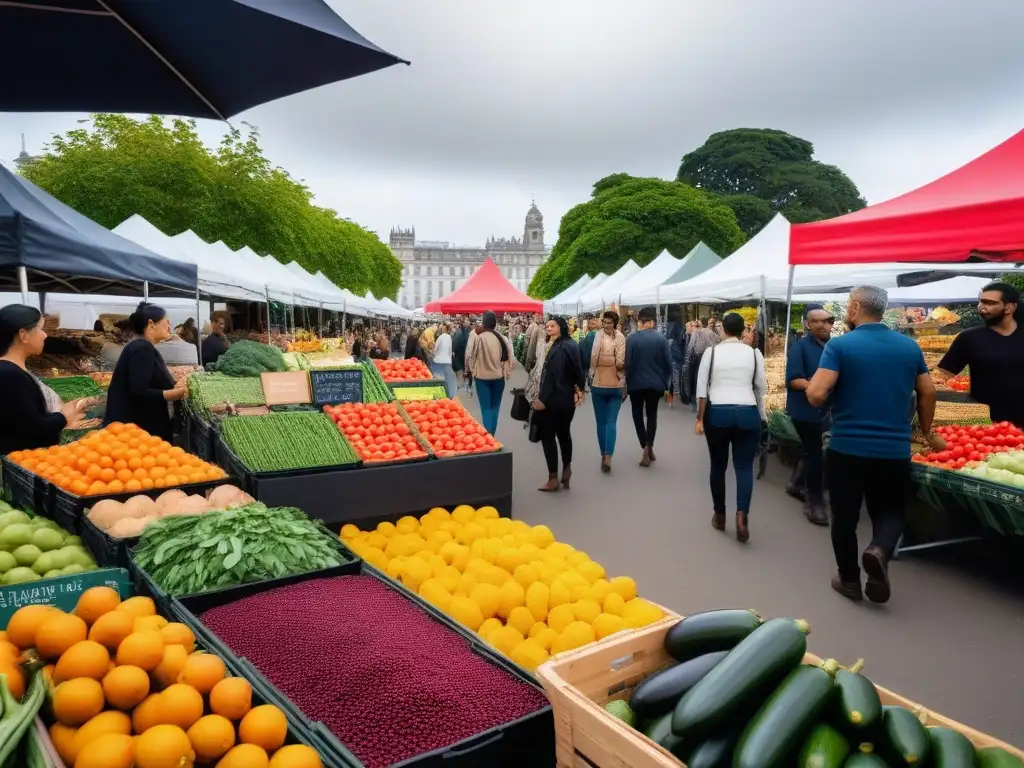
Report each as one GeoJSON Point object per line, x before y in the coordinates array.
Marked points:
{"type": "Point", "coordinates": [676, 334]}
{"type": "Point", "coordinates": [460, 340]}
{"type": "Point", "coordinates": [26, 422]}
{"type": "Point", "coordinates": [142, 386]}
{"type": "Point", "coordinates": [413, 348]}
{"type": "Point", "coordinates": [648, 371]}
{"type": "Point", "coordinates": [561, 389]}
{"type": "Point", "coordinates": [808, 421]}
{"type": "Point", "coordinates": [216, 343]}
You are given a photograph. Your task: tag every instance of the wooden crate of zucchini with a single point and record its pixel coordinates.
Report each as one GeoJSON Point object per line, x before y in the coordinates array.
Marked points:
{"type": "Point", "coordinates": [726, 688]}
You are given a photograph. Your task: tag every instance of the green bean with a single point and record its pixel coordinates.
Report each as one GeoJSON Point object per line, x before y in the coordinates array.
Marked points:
{"type": "Point", "coordinates": [286, 441]}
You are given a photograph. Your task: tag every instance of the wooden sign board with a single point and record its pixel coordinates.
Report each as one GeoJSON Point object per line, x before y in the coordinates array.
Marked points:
{"type": "Point", "coordinates": [61, 591]}
{"type": "Point", "coordinates": [253, 410]}
{"type": "Point", "coordinates": [338, 386]}
{"type": "Point", "coordinates": [286, 388]}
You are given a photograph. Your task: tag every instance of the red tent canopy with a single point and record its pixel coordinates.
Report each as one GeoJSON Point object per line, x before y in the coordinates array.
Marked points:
{"type": "Point", "coordinates": [486, 289]}
{"type": "Point", "coordinates": [976, 209]}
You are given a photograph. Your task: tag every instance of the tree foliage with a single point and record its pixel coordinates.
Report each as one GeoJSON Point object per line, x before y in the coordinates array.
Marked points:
{"type": "Point", "coordinates": [761, 172]}
{"type": "Point", "coordinates": [633, 218]}
{"type": "Point", "coordinates": [115, 166]}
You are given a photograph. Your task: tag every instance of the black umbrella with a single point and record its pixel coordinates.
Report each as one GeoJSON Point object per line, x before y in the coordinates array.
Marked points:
{"type": "Point", "coordinates": [197, 58]}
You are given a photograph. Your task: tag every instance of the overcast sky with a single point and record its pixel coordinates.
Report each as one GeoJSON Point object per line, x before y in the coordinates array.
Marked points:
{"type": "Point", "coordinates": [505, 100]}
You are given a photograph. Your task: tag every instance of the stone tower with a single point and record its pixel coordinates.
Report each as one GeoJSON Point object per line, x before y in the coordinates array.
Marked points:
{"type": "Point", "coordinates": [402, 238]}
{"type": "Point", "coordinates": [533, 230]}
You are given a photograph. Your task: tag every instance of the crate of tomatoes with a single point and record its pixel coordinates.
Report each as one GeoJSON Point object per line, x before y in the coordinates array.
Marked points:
{"type": "Point", "coordinates": [379, 432]}
{"type": "Point", "coordinates": [395, 369]}
{"type": "Point", "coordinates": [449, 429]}
{"type": "Point", "coordinates": [972, 443]}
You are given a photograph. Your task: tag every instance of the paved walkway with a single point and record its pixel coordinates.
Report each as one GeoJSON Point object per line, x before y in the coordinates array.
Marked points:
{"type": "Point", "coordinates": [949, 638]}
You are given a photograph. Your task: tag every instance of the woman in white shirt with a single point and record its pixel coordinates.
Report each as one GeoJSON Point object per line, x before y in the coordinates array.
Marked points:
{"type": "Point", "coordinates": [731, 384]}
{"type": "Point", "coordinates": [442, 362]}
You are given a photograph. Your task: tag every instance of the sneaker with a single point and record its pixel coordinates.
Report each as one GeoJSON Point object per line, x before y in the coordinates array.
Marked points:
{"type": "Point", "coordinates": [876, 568]}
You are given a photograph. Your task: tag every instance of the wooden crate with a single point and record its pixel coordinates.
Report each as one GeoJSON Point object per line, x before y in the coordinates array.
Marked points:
{"type": "Point", "coordinates": [579, 684]}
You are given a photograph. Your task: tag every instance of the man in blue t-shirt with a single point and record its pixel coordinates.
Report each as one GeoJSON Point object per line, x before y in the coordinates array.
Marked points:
{"type": "Point", "coordinates": [872, 374]}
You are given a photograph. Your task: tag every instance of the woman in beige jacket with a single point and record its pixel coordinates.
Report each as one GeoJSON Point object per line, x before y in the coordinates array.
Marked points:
{"type": "Point", "coordinates": [608, 371]}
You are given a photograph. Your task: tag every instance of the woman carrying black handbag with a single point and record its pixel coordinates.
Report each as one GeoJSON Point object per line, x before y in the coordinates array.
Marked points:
{"type": "Point", "coordinates": [562, 382]}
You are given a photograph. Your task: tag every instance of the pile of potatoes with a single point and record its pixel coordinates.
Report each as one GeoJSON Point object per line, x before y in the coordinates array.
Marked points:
{"type": "Point", "coordinates": [129, 519]}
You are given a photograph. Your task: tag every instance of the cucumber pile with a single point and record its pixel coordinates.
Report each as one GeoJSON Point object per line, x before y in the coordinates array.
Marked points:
{"type": "Point", "coordinates": [738, 695]}
{"type": "Point", "coordinates": [374, 388]}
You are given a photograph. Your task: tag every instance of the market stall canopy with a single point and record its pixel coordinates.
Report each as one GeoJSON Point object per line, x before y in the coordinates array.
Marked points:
{"type": "Point", "coordinates": [566, 300]}
{"type": "Point", "coordinates": [953, 290]}
{"type": "Point", "coordinates": [64, 251]}
{"type": "Point", "coordinates": [700, 259]}
{"type": "Point", "coordinates": [486, 289]}
{"type": "Point", "coordinates": [394, 310]}
{"type": "Point", "coordinates": [213, 279]}
{"type": "Point", "coordinates": [975, 210]}
{"type": "Point", "coordinates": [651, 276]}
{"type": "Point", "coordinates": [199, 58]}
{"type": "Point", "coordinates": [607, 291]}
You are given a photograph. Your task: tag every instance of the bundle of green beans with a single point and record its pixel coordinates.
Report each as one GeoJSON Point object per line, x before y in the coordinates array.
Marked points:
{"type": "Point", "coordinates": [286, 441]}
{"type": "Point", "coordinates": [74, 387]}
{"type": "Point", "coordinates": [206, 390]}
{"type": "Point", "coordinates": [374, 388]}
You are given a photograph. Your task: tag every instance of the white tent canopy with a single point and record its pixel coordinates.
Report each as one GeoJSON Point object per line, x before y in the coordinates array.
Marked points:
{"type": "Point", "coordinates": [651, 276]}
{"type": "Point", "coordinates": [567, 298]}
{"type": "Point", "coordinates": [394, 310]}
{"type": "Point", "coordinates": [954, 290]}
{"type": "Point", "coordinates": [606, 292]}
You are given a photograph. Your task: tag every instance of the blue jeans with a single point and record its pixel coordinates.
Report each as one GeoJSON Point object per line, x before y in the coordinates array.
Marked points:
{"type": "Point", "coordinates": [738, 426]}
{"type": "Point", "coordinates": [607, 402]}
{"type": "Point", "coordinates": [444, 371]}
{"type": "Point", "coordinates": [490, 391]}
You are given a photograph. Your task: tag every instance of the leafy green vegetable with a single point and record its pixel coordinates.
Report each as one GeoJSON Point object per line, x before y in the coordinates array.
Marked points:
{"type": "Point", "coordinates": [74, 387]}
{"type": "Point", "coordinates": [250, 358]}
{"type": "Point", "coordinates": [186, 554]}
{"type": "Point", "coordinates": [206, 390]}
{"type": "Point", "coordinates": [296, 361]}
{"type": "Point", "coordinates": [282, 441]}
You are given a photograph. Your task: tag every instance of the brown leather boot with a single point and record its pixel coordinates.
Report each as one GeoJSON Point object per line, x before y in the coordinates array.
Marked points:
{"type": "Point", "coordinates": [876, 568]}
{"type": "Point", "coordinates": [606, 463]}
{"type": "Point", "coordinates": [551, 485]}
{"type": "Point", "coordinates": [718, 521]}
{"type": "Point", "coordinates": [566, 475]}
{"type": "Point", "coordinates": [815, 512]}
{"type": "Point", "coordinates": [645, 461]}
{"type": "Point", "coordinates": [851, 590]}
{"type": "Point", "coordinates": [742, 531]}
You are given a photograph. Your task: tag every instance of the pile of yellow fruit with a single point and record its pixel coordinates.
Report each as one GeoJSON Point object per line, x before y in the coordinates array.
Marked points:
{"type": "Point", "coordinates": [523, 592]}
{"type": "Point", "coordinates": [129, 690]}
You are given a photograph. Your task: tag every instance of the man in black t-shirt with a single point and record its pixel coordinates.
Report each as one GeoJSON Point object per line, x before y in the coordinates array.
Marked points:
{"type": "Point", "coordinates": [995, 354]}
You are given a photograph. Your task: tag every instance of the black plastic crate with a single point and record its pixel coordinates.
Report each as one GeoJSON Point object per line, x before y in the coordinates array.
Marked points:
{"type": "Point", "coordinates": [67, 509]}
{"type": "Point", "coordinates": [200, 435]}
{"type": "Point", "coordinates": [530, 740]}
{"type": "Point", "coordinates": [108, 551]}
{"type": "Point", "coordinates": [25, 489]}
{"type": "Point", "coordinates": [250, 481]}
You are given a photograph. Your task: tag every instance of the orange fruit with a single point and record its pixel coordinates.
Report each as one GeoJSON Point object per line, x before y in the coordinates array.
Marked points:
{"type": "Point", "coordinates": [211, 737]}
{"type": "Point", "coordinates": [180, 705]}
{"type": "Point", "coordinates": [141, 649]}
{"type": "Point", "coordinates": [148, 622]}
{"type": "Point", "coordinates": [126, 687]}
{"type": "Point", "coordinates": [86, 658]}
{"type": "Point", "coordinates": [98, 726]}
{"type": "Point", "coordinates": [147, 714]}
{"type": "Point", "coordinates": [163, 746]}
{"type": "Point", "coordinates": [62, 737]}
{"type": "Point", "coordinates": [9, 651]}
{"type": "Point", "coordinates": [111, 629]}
{"type": "Point", "coordinates": [15, 678]}
{"type": "Point", "coordinates": [21, 629]}
{"type": "Point", "coordinates": [245, 756]}
{"type": "Point", "coordinates": [58, 633]}
{"type": "Point", "coordinates": [203, 671]}
{"type": "Point", "coordinates": [231, 698]}
{"type": "Point", "coordinates": [139, 606]}
{"type": "Point", "coordinates": [265, 726]}
{"type": "Point", "coordinates": [176, 633]}
{"type": "Point", "coordinates": [111, 750]}
{"type": "Point", "coordinates": [292, 756]}
{"type": "Point", "coordinates": [169, 668]}
{"type": "Point", "coordinates": [77, 700]}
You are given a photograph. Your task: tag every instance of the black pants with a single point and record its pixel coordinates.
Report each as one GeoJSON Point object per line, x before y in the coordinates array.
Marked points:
{"type": "Point", "coordinates": [645, 400]}
{"type": "Point", "coordinates": [810, 433]}
{"type": "Point", "coordinates": [884, 484]}
{"type": "Point", "coordinates": [554, 434]}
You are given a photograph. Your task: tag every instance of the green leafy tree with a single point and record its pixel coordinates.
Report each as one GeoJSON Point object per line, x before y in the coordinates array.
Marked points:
{"type": "Point", "coordinates": [761, 172]}
{"type": "Point", "coordinates": [633, 218]}
{"type": "Point", "coordinates": [113, 167]}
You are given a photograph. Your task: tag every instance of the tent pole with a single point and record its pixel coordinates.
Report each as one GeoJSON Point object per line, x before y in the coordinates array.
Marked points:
{"type": "Point", "coordinates": [789, 311]}
{"type": "Point", "coordinates": [199, 326]}
{"type": "Point", "coordinates": [320, 320]}
{"type": "Point", "coordinates": [145, 292]}
{"type": "Point", "coordinates": [267, 288]}
{"type": "Point", "coordinates": [344, 316]}
{"type": "Point", "coordinates": [23, 284]}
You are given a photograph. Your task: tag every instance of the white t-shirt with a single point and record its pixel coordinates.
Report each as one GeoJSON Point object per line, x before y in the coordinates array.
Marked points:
{"type": "Point", "coordinates": [443, 349]}
{"type": "Point", "coordinates": [733, 381]}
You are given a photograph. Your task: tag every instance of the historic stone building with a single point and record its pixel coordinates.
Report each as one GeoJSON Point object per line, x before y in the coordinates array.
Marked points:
{"type": "Point", "coordinates": [432, 269]}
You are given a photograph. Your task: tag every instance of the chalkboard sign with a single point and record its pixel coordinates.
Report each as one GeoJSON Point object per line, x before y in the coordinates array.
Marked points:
{"type": "Point", "coordinates": [61, 591]}
{"type": "Point", "coordinates": [341, 386]}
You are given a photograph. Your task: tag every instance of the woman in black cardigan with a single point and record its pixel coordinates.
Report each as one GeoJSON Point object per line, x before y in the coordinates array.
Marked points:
{"type": "Point", "coordinates": [142, 386]}
{"type": "Point", "coordinates": [562, 383]}
{"type": "Point", "coordinates": [25, 420]}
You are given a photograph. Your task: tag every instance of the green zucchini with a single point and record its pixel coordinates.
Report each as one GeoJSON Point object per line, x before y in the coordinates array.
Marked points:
{"type": "Point", "coordinates": [865, 760]}
{"type": "Point", "coordinates": [709, 631]}
{"type": "Point", "coordinates": [824, 747]}
{"type": "Point", "coordinates": [997, 757]}
{"type": "Point", "coordinates": [950, 749]}
{"type": "Point", "coordinates": [660, 692]}
{"type": "Point", "coordinates": [716, 752]}
{"type": "Point", "coordinates": [750, 671]}
{"type": "Point", "coordinates": [778, 728]}
{"type": "Point", "coordinates": [906, 739]}
{"type": "Point", "coordinates": [660, 732]}
{"type": "Point", "coordinates": [857, 703]}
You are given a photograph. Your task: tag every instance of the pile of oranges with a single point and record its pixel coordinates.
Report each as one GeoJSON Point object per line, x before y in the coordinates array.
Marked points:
{"type": "Point", "coordinates": [129, 690]}
{"type": "Point", "coordinates": [120, 458]}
